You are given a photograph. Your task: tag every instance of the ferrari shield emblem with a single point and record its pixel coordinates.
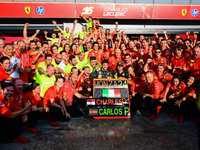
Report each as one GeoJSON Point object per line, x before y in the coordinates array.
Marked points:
{"type": "Point", "coordinates": [27, 10]}
{"type": "Point", "coordinates": [184, 12]}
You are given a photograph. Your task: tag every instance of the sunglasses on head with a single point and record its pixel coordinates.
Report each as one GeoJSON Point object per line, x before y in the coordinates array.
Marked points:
{"type": "Point", "coordinates": [158, 51]}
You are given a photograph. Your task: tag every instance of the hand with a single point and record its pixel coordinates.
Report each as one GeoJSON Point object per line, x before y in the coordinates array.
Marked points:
{"type": "Point", "coordinates": [27, 24]}
{"type": "Point", "coordinates": [53, 21]}
{"type": "Point", "coordinates": [149, 60]}
{"type": "Point", "coordinates": [90, 97]}
{"type": "Point", "coordinates": [188, 32]}
{"type": "Point", "coordinates": [158, 30]}
{"type": "Point", "coordinates": [45, 32]}
{"type": "Point", "coordinates": [163, 100]}
{"type": "Point", "coordinates": [19, 64]}
{"type": "Point", "coordinates": [144, 96]}
{"type": "Point", "coordinates": [116, 23]}
{"type": "Point", "coordinates": [28, 104]}
{"type": "Point", "coordinates": [194, 96]}
{"type": "Point", "coordinates": [59, 34]}
{"type": "Point", "coordinates": [32, 66]}
{"type": "Point", "coordinates": [195, 36]}
{"type": "Point", "coordinates": [75, 21]}
{"type": "Point", "coordinates": [46, 109]}
{"type": "Point", "coordinates": [34, 108]}
{"type": "Point", "coordinates": [178, 103]}
{"type": "Point", "coordinates": [89, 89]}
{"type": "Point", "coordinates": [80, 89]}
{"type": "Point", "coordinates": [164, 31]}
{"type": "Point", "coordinates": [37, 31]}
{"type": "Point", "coordinates": [134, 93]}
{"type": "Point", "coordinates": [24, 118]}
{"type": "Point", "coordinates": [67, 115]}
{"type": "Point", "coordinates": [171, 96]}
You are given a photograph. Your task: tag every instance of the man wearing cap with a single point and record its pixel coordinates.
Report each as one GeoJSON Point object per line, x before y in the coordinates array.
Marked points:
{"type": "Point", "coordinates": [121, 73]}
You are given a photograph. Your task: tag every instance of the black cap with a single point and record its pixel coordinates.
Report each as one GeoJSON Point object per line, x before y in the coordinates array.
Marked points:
{"type": "Point", "coordinates": [120, 64]}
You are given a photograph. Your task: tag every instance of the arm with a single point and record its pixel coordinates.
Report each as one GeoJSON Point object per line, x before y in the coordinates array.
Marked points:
{"type": "Point", "coordinates": [54, 22]}
{"type": "Point", "coordinates": [75, 22]}
{"type": "Point", "coordinates": [165, 34]}
{"type": "Point", "coordinates": [84, 18]}
{"type": "Point", "coordinates": [149, 60]}
{"type": "Point", "coordinates": [34, 35]}
{"type": "Point", "coordinates": [45, 34]}
{"type": "Point", "coordinates": [195, 39]}
{"type": "Point", "coordinates": [20, 112]}
{"type": "Point", "coordinates": [80, 96]}
{"type": "Point", "coordinates": [60, 38]}
{"type": "Point", "coordinates": [35, 59]}
{"type": "Point", "coordinates": [187, 34]}
{"type": "Point", "coordinates": [116, 27]}
{"type": "Point", "coordinates": [25, 30]}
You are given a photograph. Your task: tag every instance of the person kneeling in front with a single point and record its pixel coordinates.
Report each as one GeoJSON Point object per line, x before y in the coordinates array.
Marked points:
{"type": "Point", "coordinates": [54, 104]}
{"type": "Point", "coordinates": [11, 116]}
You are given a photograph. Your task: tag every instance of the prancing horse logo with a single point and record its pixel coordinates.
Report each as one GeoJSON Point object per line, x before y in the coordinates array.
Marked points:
{"type": "Point", "coordinates": [27, 9]}
{"type": "Point", "coordinates": [184, 12]}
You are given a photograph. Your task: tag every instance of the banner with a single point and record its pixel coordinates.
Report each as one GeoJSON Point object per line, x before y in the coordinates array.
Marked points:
{"type": "Point", "coordinates": [98, 10]}
{"type": "Point", "coordinates": [37, 10]}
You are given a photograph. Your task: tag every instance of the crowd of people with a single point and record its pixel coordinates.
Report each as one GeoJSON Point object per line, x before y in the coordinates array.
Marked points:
{"type": "Point", "coordinates": [51, 79]}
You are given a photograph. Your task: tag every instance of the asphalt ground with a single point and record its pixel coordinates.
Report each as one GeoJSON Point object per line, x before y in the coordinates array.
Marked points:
{"type": "Point", "coordinates": [138, 133]}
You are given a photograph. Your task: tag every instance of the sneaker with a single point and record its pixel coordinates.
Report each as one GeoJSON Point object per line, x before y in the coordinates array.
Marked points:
{"type": "Point", "coordinates": [171, 115]}
{"type": "Point", "coordinates": [138, 113]}
{"type": "Point", "coordinates": [32, 130]}
{"type": "Point", "coordinates": [181, 119]}
{"type": "Point", "coordinates": [53, 124]}
{"type": "Point", "coordinates": [153, 117]}
{"type": "Point", "coordinates": [21, 139]}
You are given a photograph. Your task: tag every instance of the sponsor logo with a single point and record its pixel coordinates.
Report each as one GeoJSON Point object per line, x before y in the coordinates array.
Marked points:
{"type": "Point", "coordinates": [27, 9]}
{"type": "Point", "coordinates": [40, 10]}
{"type": "Point", "coordinates": [115, 11]}
{"type": "Point", "coordinates": [195, 12]}
{"type": "Point", "coordinates": [184, 12]}
{"type": "Point", "coordinates": [87, 10]}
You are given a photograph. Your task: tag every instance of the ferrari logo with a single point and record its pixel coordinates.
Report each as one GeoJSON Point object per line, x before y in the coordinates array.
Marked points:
{"type": "Point", "coordinates": [27, 10]}
{"type": "Point", "coordinates": [184, 12]}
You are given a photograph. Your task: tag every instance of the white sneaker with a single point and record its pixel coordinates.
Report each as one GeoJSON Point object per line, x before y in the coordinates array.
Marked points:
{"type": "Point", "coordinates": [138, 113]}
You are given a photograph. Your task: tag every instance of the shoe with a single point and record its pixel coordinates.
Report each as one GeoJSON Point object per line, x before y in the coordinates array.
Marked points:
{"type": "Point", "coordinates": [158, 109]}
{"type": "Point", "coordinates": [171, 115]}
{"type": "Point", "coordinates": [53, 124]}
{"type": "Point", "coordinates": [138, 113]}
{"type": "Point", "coordinates": [181, 119]}
{"type": "Point", "coordinates": [153, 117]}
{"type": "Point", "coordinates": [32, 130]}
{"type": "Point", "coordinates": [21, 139]}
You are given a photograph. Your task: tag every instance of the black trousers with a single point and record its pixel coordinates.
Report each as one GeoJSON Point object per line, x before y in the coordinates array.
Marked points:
{"type": "Point", "coordinates": [137, 102]}
{"type": "Point", "coordinates": [154, 103]}
{"type": "Point", "coordinates": [55, 113]}
{"type": "Point", "coordinates": [10, 129]}
{"type": "Point", "coordinates": [188, 108]}
{"type": "Point", "coordinates": [34, 116]}
{"type": "Point", "coordinates": [74, 111]}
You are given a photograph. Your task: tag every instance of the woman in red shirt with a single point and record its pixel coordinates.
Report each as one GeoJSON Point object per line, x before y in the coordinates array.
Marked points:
{"type": "Point", "coordinates": [188, 102]}
{"type": "Point", "coordinates": [37, 111]}
{"type": "Point", "coordinates": [174, 91]}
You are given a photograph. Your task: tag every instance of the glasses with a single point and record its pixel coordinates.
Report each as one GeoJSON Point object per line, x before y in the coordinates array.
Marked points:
{"type": "Point", "coordinates": [158, 51]}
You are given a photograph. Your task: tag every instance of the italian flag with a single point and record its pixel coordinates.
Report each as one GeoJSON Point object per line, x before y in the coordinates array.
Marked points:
{"type": "Point", "coordinates": [111, 93]}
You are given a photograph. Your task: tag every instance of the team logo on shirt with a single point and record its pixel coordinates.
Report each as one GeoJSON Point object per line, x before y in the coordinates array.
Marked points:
{"type": "Point", "coordinates": [27, 9]}
{"type": "Point", "coordinates": [184, 12]}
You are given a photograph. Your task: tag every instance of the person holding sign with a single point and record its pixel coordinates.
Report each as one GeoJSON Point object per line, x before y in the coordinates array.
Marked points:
{"type": "Point", "coordinates": [103, 72]}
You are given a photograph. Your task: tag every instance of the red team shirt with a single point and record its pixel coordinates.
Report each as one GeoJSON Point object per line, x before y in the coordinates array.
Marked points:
{"type": "Point", "coordinates": [51, 93]}
{"type": "Point", "coordinates": [70, 91]}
